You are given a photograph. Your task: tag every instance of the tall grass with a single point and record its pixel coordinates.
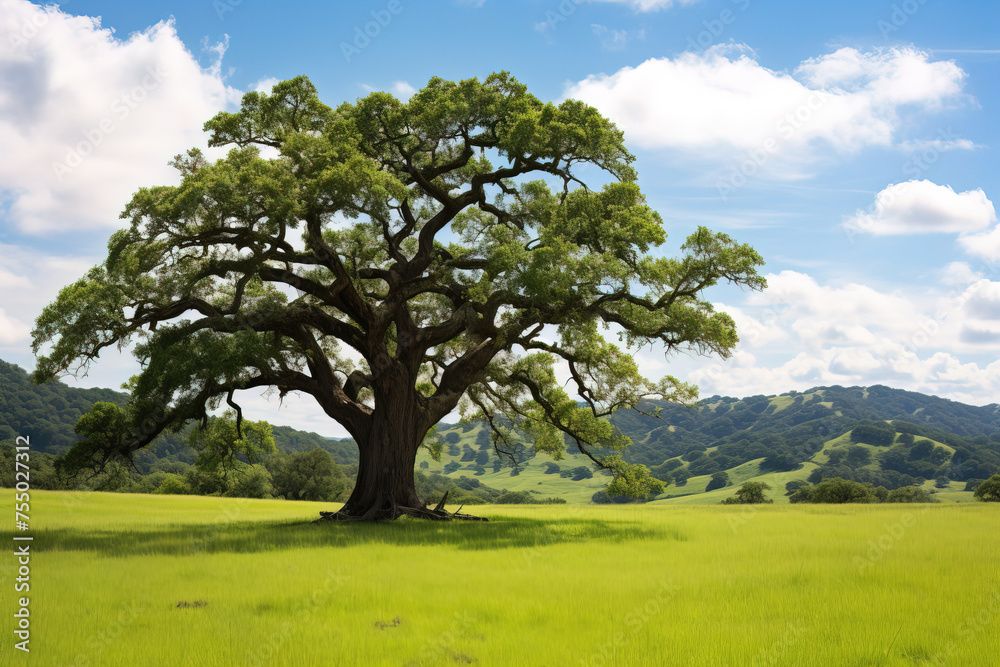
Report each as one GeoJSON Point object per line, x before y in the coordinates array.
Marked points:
{"type": "Point", "coordinates": [151, 580]}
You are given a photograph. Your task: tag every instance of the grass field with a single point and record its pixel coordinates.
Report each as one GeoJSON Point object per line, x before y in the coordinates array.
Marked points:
{"type": "Point", "coordinates": [154, 580]}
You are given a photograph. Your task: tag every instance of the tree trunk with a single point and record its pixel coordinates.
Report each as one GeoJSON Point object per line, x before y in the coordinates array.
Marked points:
{"type": "Point", "coordinates": [384, 488]}
{"type": "Point", "coordinates": [385, 474]}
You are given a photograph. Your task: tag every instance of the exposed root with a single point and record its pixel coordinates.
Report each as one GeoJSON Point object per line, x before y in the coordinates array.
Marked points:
{"type": "Point", "coordinates": [438, 513]}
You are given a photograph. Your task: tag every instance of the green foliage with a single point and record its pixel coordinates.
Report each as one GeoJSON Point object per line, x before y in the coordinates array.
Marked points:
{"type": "Point", "coordinates": [751, 493]}
{"type": "Point", "coordinates": [873, 434]}
{"type": "Point", "coordinates": [718, 481]}
{"type": "Point", "coordinates": [48, 412]}
{"type": "Point", "coordinates": [910, 494]}
{"type": "Point", "coordinates": [525, 498]}
{"type": "Point", "coordinates": [989, 491]}
{"type": "Point", "coordinates": [199, 280]}
{"type": "Point", "coordinates": [231, 447]}
{"type": "Point", "coordinates": [972, 484]}
{"type": "Point", "coordinates": [794, 485]}
{"type": "Point", "coordinates": [603, 498]}
{"type": "Point", "coordinates": [631, 480]}
{"type": "Point", "coordinates": [173, 484]}
{"type": "Point", "coordinates": [890, 479]}
{"type": "Point", "coordinates": [835, 490]}
{"type": "Point", "coordinates": [308, 475]}
{"type": "Point", "coordinates": [858, 456]}
{"type": "Point", "coordinates": [254, 482]}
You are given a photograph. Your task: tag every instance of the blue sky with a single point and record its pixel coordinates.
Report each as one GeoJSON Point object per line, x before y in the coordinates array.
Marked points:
{"type": "Point", "coordinates": [852, 143]}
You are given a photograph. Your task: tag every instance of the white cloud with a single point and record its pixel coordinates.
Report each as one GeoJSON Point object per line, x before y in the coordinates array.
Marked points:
{"type": "Point", "coordinates": [800, 333]}
{"type": "Point", "coordinates": [724, 99]}
{"type": "Point", "coordinates": [87, 118]}
{"type": "Point", "coordinates": [982, 300]}
{"type": "Point", "coordinates": [886, 77]}
{"type": "Point", "coordinates": [922, 207]}
{"type": "Point", "coordinates": [264, 85]}
{"type": "Point", "coordinates": [937, 145]}
{"type": "Point", "coordinates": [985, 245]}
{"type": "Point", "coordinates": [403, 90]}
{"type": "Point", "coordinates": [959, 273]}
{"type": "Point", "coordinates": [28, 281]}
{"type": "Point", "coordinates": [12, 330]}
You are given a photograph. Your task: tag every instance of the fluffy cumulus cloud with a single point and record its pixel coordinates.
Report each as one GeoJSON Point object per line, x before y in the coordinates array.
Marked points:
{"type": "Point", "coordinates": [800, 333]}
{"type": "Point", "coordinates": [87, 117]}
{"type": "Point", "coordinates": [985, 244]}
{"type": "Point", "coordinates": [921, 207]}
{"type": "Point", "coordinates": [403, 90]}
{"type": "Point", "coordinates": [723, 100]}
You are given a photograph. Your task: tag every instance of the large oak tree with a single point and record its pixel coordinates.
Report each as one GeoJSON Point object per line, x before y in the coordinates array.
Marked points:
{"type": "Point", "coordinates": [397, 261]}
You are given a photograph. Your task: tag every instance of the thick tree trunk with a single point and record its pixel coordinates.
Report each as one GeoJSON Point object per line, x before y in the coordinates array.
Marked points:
{"type": "Point", "coordinates": [384, 488]}
{"type": "Point", "coordinates": [385, 473]}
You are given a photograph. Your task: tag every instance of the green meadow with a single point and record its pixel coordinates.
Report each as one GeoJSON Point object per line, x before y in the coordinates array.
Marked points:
{"type": "Point", "coordinates": [181, 580]}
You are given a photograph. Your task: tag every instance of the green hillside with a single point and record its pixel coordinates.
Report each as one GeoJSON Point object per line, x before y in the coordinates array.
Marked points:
{"type": "Point", "coordinates": [48, 412]}
{"type": "Point", "coordinates": [808, 435]}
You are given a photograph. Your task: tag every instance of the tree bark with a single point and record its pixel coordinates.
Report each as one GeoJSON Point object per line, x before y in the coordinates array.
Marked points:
{"type": "Point", "coordinates": [387, 457]}
{"type": "Point", "coordinates": [385, 488]}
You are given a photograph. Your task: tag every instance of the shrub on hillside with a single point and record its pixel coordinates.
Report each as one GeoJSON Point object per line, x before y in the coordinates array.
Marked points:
{"type": "Point", "coordinates": [794, 485]}
{"type": "Point", "coordinates": [873, 434]}
{"type": "Point", "coordinates": [989, 491]}
{"type": "Point", "coordinates": [751, 493]}
{"type": "Point", "coordinates": [910, 494]}
{"type": "Point", "coordinates": [718, 481]}
{"type": "Point", "coordinates": [835, 490]}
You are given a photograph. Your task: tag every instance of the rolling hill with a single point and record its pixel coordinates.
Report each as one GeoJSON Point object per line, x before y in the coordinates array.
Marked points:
{"type": "Point", "coordinates": [775, 439]}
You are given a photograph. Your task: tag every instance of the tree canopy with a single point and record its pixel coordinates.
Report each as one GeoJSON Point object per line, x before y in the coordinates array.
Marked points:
{"type": "Point", "coordinates": [398, 261]}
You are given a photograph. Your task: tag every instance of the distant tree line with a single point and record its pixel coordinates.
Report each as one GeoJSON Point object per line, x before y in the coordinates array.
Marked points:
{"type": "Point", "coordinates": [837, 490]}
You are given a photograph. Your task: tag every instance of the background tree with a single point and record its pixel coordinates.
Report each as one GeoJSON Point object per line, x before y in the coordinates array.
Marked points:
{"type": "Point", "coordinates": [719, 480]}
{"type": "Point", "coordinates": [989, 490]}
{"type": "Point", "coordinates": [442, 253]}
{"type": "Point", "coordinates": [231, 446]}
{"type": "Point", "coordinates": [311, 475]}
{"type": "Point", "coordinates": [751, 493]}
{"type": "Point", "coordinates": [835, 490]}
